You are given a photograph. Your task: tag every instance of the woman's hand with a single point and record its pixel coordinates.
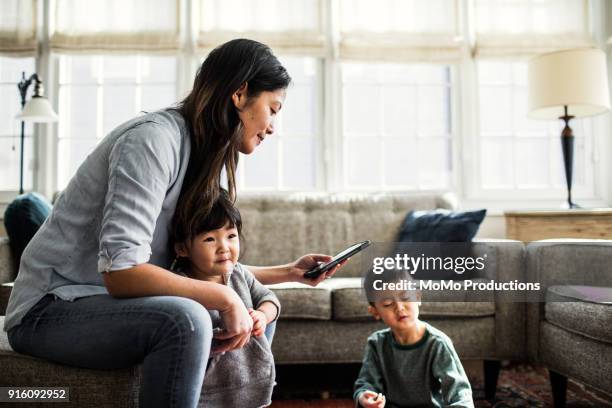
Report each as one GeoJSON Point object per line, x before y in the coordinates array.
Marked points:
{"type": "Point", "coordinates": [306, 263]}
{"type": "Point", "coordinates": [370, 399]}
{"type": "Point", "coordinates": [259, 322]}
{"type": "Point", "coordinates": [238, 325]}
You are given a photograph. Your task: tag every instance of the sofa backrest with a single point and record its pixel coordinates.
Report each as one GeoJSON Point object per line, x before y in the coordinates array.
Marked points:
{"type": "Point", "coordinates": [280, 228]}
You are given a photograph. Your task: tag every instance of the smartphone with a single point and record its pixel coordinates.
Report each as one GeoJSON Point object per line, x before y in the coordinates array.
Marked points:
{"type": "Point", "coordinates": [348, 252]}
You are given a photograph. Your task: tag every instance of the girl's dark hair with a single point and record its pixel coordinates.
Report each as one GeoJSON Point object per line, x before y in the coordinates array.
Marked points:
{"type": "Point", "coordinates": [213, 121]}
{"type": "Point", "coordinates": [222, 212]}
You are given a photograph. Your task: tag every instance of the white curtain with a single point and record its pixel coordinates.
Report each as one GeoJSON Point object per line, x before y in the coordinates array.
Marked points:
{"type": "Point", "coordinates": [400, 30]}
{"type": "Point", "coordinates": [115, 26]}
{"type": "Point", "coordinates": [522, 28]}
{"type": "Point", "coordinates": [287, 26]}
{"type": "Point", "coordinates": [18, 27]}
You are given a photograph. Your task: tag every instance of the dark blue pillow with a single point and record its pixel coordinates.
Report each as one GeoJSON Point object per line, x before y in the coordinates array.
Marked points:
{"type": "Point", "coordinates": [441, 226]}
{"type": "Point", "coordinates": [22, 218]}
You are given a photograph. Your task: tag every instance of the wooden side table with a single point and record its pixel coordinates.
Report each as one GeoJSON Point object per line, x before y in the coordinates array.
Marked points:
{"type": "Point", "coordinates": [578, 223]}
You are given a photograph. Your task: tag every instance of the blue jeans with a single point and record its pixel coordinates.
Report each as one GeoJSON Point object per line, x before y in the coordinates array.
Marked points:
{"type": "Point", "coordinates": [170, 336]}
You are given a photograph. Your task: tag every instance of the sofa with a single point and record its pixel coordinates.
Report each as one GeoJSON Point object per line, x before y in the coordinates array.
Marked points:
{"type": "Point", "coordinates": [280, 228]}
{"type": "Point", "coordinates": [571, 331]}
{"type": "Point", "coordinates": [335, 312]}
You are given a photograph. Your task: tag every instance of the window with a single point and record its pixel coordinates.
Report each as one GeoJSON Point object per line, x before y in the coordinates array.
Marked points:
{"type": "Point", "coordinates": [396, 126]}
{"type": "Point", "coordinates": [386, 95]}
{"type": "Point", "coordinates": [289, 159]}
{"type": "Point", "coordinates": [97, 93]}
{"type": "Point", "coordinates": [10, 128]}
{"type": "Point", "coordinates": [517, 153]}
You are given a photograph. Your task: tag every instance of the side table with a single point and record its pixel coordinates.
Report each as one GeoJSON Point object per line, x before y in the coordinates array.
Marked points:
{"type": "Point", "coordinates": [545, 224]}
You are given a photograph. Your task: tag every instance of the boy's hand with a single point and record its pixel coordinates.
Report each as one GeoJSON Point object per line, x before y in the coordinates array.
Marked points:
{"type": "Point", "coordinates": [259, 322]}
{"type": "Point", "coordinates": [370, 399]}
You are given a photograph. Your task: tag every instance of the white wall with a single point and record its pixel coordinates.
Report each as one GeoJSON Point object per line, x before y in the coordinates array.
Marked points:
{"type": "Point", "coordinates": [493, 226]}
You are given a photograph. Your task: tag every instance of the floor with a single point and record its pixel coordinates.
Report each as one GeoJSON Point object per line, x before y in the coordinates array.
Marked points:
{"type": "Point", "coordinates": [520, 385]}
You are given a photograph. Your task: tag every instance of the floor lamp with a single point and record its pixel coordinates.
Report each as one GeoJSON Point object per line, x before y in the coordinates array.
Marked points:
{"type": "Point", "coordinates": [565, 85]}
{"type": "Point", "coordinates": [36, 110]}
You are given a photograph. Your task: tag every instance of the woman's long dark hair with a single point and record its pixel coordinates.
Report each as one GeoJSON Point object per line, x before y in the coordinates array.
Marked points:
{"type": "Point", "coordinates": [213, 120]}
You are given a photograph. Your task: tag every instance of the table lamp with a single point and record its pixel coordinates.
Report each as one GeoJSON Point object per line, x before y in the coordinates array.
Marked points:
{"type": "Point", "coordinates": [37, 110]}
{"type": "Point", "coordinates": [568, 84]}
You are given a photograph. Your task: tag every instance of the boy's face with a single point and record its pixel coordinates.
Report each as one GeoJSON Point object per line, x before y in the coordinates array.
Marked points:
{"type": "Point", "coordinates": [213, 253]}
{"type": "Point", "coordinates": [398, 309]}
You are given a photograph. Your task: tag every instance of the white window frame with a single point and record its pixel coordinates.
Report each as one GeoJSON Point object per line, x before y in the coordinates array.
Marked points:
{"type": "Point", "coordinates": [330, 165]}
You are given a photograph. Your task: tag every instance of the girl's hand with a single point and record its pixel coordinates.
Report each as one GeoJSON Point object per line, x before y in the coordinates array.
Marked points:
{"type": "Point", "coordinates": [238, 325]}
{"type": "Point", "coordinates": [306, 263]}
{"type": "Point", "coordinates": [371, 399]}
{"type": "Point", "coordinates": [259, 322]}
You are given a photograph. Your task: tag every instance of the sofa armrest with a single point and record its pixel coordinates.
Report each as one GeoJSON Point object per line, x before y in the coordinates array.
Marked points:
{"type": "Point", "coordinates": [8, 269]}
{"type": "Point", "coordinates": [509, 314]}
{"type": "Point", "coordinates": [563, 262]}
{"type": "Point", "coordinates": [5, 294]}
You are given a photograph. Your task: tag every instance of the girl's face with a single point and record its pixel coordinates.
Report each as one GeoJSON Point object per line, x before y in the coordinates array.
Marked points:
{"type": "Point", "coordinates": [257, 116]}
{"type": "Point", "coordinates": [212, 253]}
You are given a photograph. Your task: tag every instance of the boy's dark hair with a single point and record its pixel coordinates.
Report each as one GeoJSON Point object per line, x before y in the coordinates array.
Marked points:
{"type": "Point", "coordinates": [222, 212]}
{"type": "Point", "coordinates": [388, 276]}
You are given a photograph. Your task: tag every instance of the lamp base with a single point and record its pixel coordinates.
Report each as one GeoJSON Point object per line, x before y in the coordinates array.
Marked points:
{"type": "Point", "coordinates": [570, 205]}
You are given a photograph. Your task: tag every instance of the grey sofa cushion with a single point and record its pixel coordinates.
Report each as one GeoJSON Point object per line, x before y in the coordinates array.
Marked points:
{"type": "Point", "coordinates": [350, 304]}
{"type": "Point", "coordinates": [318, 341]}
{"type": "Point", "coordinates": [303, 302]}
{"type": "Point", "coordinates": [582, 316]}
{"type": "Point", "coordinates": [88, 388]}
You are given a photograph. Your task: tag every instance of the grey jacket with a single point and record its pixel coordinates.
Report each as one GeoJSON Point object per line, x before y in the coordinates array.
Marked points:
{"type": "Point", "coordinates": [114, 214]}
{"type": "Point", "coordinates": [243, 377]}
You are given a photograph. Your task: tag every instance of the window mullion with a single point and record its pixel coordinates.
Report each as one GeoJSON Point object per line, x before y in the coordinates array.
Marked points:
{"type": "Point", "coordinates": [45, 135]}
{"type": "Point", "coordinates": [331, 166]}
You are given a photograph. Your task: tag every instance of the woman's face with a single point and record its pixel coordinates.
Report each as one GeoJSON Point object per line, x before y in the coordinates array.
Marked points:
{"type": "Point", "coordinates": [257, 115]}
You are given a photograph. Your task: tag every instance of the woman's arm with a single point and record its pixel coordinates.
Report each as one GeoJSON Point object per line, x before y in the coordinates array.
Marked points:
{"type": "Point", "coordinates": [294, 271]}
{"type": "Point", "coordinates": [150, 280]}
{"type": "Point", "coordinates": [269, 275]}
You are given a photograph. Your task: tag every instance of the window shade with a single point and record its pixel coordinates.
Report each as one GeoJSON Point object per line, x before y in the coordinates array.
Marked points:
{"type": "Point", "coordinates": [288, 27]}
{"type": "Point", "coordinates": [521, 28]}
{"type": "Point", "coordinates": [150, 26]}
{"type": "Point", "coordinates": [18, 28]}
{"type": "Point", "coordinates": [400, 30]}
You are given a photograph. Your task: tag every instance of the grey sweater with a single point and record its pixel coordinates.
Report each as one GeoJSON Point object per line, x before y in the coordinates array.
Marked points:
{"type": "Point", "coordinates": [425, 374]}
{"type": "Point", "coordinates": [242, 377]}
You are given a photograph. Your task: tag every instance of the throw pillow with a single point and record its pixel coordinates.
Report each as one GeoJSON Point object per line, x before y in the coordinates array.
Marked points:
{"type": "Point", "coordinates": [441, 226]}
{"type": "Point", "coordinates": [22, 218]}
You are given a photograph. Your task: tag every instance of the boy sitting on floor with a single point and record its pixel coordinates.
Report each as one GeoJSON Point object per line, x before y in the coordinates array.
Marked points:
{"type": "Point", "coordinates": [411, 363]}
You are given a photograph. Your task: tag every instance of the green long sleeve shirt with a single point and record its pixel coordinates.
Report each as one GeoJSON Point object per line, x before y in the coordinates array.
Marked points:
{"type": "Point", "coordinates": [425, 374]}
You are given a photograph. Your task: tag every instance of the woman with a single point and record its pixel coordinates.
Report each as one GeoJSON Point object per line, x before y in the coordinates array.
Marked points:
{"type": "Point", "coordinates": [94, 289]}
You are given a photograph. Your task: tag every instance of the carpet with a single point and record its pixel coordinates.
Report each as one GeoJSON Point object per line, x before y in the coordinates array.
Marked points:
{"type": "Point", "coordinates": [519, 385]}
{"type": "Point", "coordinates": [523, 385]}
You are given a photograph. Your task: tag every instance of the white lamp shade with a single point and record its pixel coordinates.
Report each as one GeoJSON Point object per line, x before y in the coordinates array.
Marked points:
{"type": "Point", "coordinates": [37, 109]}
{"type": "Point", "coordinates": [575, 78]}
